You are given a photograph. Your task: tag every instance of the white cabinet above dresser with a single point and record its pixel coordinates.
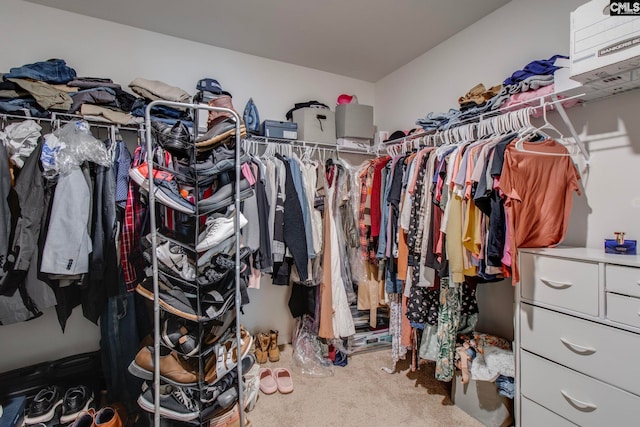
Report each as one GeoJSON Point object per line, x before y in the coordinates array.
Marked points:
{"type": "Point", "coordinates": [578, 338]}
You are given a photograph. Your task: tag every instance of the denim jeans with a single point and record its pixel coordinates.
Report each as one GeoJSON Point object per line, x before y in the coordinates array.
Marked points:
{"type": "Point", "coordinates": [22, 106]}
{"type": "Point", "coordinates": [52, 71]}
{"type": "Point", "coordinates": [119, 345]}
{"type": "Point", "coordinates": [158, 110]}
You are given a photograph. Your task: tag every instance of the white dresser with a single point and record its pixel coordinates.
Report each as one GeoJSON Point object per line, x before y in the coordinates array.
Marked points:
{"type": "Point", "coordinates": [578, 338]}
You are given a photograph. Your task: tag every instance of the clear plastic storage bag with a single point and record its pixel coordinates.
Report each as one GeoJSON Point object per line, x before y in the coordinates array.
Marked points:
{"type": "Point", "coordinates": [70, 146]}
{"type": "Point", "coordinates": [307, 352]}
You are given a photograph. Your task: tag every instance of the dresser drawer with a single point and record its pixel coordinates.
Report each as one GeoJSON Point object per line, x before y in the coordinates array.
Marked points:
{"type": "Point", "coordinates": [560, 282]}
{"type": "Point", "coordinates": [534, 415]}
{"type": "Point", "coordinates": [600, 351]}
{"type": "Point", "coordinates": [576, 397]}
{"type": "Point", "coordinates": [623, 280]}
{"type": "Point", "coordinates": [623, 309]}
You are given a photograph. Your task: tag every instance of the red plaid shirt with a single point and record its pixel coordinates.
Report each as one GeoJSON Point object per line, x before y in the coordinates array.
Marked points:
{"type": "Point", "coordinates": [134, 213]}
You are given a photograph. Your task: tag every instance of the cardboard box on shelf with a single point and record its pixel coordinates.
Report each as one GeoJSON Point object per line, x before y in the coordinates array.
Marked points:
{"type": "Point", "coordinates": [602, 45]}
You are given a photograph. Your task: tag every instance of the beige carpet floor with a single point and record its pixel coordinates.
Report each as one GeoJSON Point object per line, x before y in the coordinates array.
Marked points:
{"type": "Point", "coordinates": [361, 395]}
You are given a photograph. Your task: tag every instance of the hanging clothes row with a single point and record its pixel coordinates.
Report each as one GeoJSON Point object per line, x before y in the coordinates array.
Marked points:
{"type": "Point", "coordinates": [312, 232]}
{"type": "Point", "coordinates": [59, 219]}
{"type": "Point", "coordinates": [438, 220]}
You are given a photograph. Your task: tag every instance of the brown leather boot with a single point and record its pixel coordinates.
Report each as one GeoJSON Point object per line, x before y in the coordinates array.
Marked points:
{"type": "Point", "coordinates": [224, 101]}
{"type": "Point", "coordinates": [274, 351]}
{"type": "Point", "coordinates": [262, 347]}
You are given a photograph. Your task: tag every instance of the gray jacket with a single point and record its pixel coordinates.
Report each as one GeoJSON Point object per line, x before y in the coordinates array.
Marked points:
{"type": "Point", "coordinates": [68, 245]}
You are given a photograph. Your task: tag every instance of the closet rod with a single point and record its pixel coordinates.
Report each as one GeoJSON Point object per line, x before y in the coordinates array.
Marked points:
{"type": "Point", "coordinates": [516, 107]}
{"type": "Point", "coordinates": [489, 114]}
{"type": "Point", "coordinates": [408, 137]}
{"type": "Point", "coordinates": [512, 108]}
{"type": "Point", "coordinates": [307, 144]}
{"type": "Point", "coordinates": [6, 117]}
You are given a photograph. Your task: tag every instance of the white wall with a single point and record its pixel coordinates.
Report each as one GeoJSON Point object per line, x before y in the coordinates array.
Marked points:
{"type": "Point", "coordinates": [486, 52]}
{"type": "Point", "coordinates": [99, 48]}
{"type": "Point", "coordinates": [489, 51]}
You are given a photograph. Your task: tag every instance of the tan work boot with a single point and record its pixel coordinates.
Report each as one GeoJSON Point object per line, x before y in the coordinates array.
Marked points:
{"type": "Point", "coordinates": [262, 347]}
{"type": "Point", "coordinates": [274, 351]}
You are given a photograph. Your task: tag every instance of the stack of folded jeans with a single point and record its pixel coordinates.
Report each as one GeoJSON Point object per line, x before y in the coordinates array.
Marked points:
{"type": "Point", "coordinates": [38, 89]}
{"type": "Point", "coordinates": [35, 88]}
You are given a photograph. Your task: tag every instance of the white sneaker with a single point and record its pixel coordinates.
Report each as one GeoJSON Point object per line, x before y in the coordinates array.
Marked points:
{"type": "Point", "coordinates": [218, 230]}
{"type": "Point", "coordinates": [174, 257]}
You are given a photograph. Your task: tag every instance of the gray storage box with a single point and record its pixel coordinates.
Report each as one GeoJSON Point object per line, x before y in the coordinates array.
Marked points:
{"type": "Point", "coordinates": [315, 124]}
{"type": "Point", "coordinates": [276, 129]}
{"type": "Point", "coordinates": [354, 121]}
{"type": "Point", "coordinates": [481, 400]}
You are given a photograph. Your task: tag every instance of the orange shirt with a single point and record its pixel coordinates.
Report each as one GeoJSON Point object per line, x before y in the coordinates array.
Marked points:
{"type": "Point", "coordinates": [538, 192]}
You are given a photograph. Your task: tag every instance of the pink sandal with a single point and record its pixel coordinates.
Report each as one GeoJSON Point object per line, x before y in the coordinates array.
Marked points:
{"type": "Point", "coordinates": [267, 382]}
{"type": "Point", "coordinates": [282, 377]}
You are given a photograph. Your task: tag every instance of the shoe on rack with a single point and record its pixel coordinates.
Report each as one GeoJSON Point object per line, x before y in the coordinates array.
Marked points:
{"type": "Point", "coordinates": [173, 369]}
{"type": "Point", "coordinates": [175, 139]}
{"type": "Point", "coordinates": [221, 129]}
{"type": "Point", "coordinates": [274, 351]}
{"type": "Point", "coordinates": [44, 405]}
{"type": "Point", "coordinates": [176, 335]}
{"type": "Point", "coordinates": [107, 417]}
{"type": "Point", "coordinates": [252, 385]}
{"type": "Point", "coordinates": [228, 262]}
{"type": "Point", "coordinates": [165, 187]}
{"type": "Point", "coordinates": [223, 100]}
{"type": "Point", "coordinates": [172, 299]}
{"type": "Point", "coordinates": [76, 400]}
{"type": "Point", "coordinates": [177, 301]}
{"type": "Point", "coordinates": [174, 257]}
{"type": "Point", "coordinates": [229, 417]}
{"type": "Point", "coordinates": [211, 276]}
{"type": "Point", "coordinates": [262, 347]}
{"type": "Point", "coordinates": [176, 403]}
{"type": "Point", "coordinates": [228, 247]}
{"type": "Point", "coordinates": [220, 266]}
{"type": "Point", "coordinates": [218, 230]}
{"type": "Point", "coordinates": [221, 159]}
{"type": "Point", "coordinates": [218, 393]}
{"type": "Point", "coordinates": [165, 273]}
{"type": "Point", "coordinates": [224, 196]}
{"type": "Point", "coordinates": [219, 328]}
{"type": "Point", "coordinates": [216, 302]}
{"type": "Point", "coordinates": [225, 356]}
{"type": "Point", "coordinates": [140, 175]}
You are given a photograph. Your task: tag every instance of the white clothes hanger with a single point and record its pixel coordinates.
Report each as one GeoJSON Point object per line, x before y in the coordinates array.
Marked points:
{"type": "Point", "coordinates": [531, 130]}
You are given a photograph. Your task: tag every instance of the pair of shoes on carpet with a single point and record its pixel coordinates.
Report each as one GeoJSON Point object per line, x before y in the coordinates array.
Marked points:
{"type": "Point", "coordinates": [74, 401]}
{"type": "Point", "coordinates": [267, 345]}
{"type": "Point", "coordinates": [278, 379]}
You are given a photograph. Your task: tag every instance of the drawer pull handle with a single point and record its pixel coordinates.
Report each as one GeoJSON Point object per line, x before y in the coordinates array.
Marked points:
{"type": "Point", "coordinates": [578, 404]}
{"type": "Point", "coordinates": [557, 285]}
{"type": "Point", "coordinates": [578, 348]}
